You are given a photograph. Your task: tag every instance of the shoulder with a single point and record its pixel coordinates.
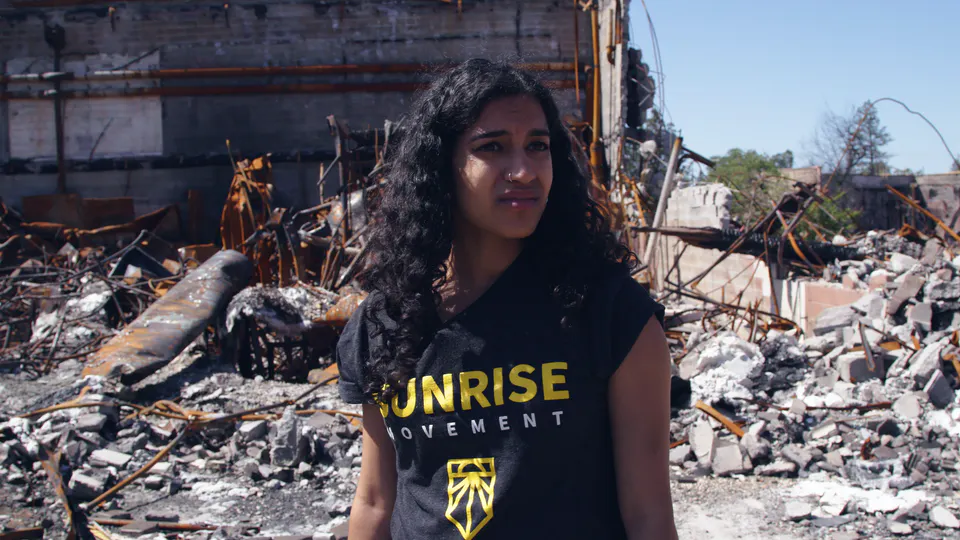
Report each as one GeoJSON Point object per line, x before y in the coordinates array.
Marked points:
{"type": "Point", "coordinates": [618, 309]}
{"type": "Point", "coordinates": [352, 352]}
{"type": "Point", "coordinates": [614, 288]}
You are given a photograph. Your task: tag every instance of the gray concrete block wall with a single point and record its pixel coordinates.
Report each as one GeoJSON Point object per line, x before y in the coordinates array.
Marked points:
{"type": "Point", "coordinates": [190, 35]}
{"type": "Point", "coordinates": [705, 205]}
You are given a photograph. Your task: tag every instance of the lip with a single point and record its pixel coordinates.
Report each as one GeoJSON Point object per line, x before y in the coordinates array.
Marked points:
{"type": "Point", "coordinates": [519, 199]}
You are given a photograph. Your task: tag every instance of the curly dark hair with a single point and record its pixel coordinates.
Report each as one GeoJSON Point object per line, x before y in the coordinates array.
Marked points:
{"type": "Point", "coordinates": [412, 233]}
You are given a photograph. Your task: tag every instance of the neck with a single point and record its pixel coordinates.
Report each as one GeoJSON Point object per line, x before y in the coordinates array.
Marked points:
{"type": "Point", "coordinates": [478, 258]}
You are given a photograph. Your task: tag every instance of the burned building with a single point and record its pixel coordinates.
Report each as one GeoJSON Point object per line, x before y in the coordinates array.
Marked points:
{"type": "Point", "coordinates": [138, 99]}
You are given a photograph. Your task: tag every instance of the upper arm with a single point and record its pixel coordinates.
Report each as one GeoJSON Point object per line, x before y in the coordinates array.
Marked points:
{"type": "Point", "coordinates": [639, 399]}
{"type": "Point", "coordinates": [378, 468]}
{"type": "Point", "coordinates": [377, 486]}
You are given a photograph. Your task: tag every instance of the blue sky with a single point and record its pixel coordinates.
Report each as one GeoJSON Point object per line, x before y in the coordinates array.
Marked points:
{"type": "Point", "coordinates": [760, 74]}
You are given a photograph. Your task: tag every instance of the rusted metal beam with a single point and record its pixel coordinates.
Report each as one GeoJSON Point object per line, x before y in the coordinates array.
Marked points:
{"type": "Point", "coordinates": [255, 71]}
{"type": "Point", "coordinates": [174, 321]}
{"type": "Point", "coordinates": [247, 89]}
{"type": "Point", "coordinates": [162, 525]}
{"type": "Point", "coordinates": [22, 534]}
{"type": "Point", "coordinates": [103, 497]}
{"type": "Point", "coordinates": [596, 147]}
{"type": "Point", "coordinates": [727, 423]}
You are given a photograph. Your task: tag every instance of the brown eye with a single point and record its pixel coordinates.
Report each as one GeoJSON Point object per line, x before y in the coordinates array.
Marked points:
{"type": "Point", "coordinates": [489, 147]}
{"type": "Point", "coordinates": [539, 146]}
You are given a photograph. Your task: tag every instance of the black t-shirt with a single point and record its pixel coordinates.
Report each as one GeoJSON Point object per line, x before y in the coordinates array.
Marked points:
{"type": "Point", "coordinates": [503, 431]}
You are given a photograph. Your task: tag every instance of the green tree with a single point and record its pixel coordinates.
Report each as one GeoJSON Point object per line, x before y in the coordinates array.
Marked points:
{"type": "Point", "coordinates": [783, 160]}
{"type": "Point", "coordinates": [755, 180]}
{"type": "Point", "coordinates": [865, 155]}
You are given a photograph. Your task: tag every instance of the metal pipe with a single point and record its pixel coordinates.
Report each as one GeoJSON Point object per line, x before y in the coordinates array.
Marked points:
{"type": "Point", "coordinates": [596, 148]}
{"type": "Point", "coordinates": [192, 91]}
{"type": "Point", "coordinates": [576, 47]}
{"type": "Point", "coordinates": [58, 127]}
{"type": "Point", "coordinates": [255, 71]}
{"type": "Point", "coordinates": [174, 321]}
{"type": "Point", "coordinates": [662, 203]}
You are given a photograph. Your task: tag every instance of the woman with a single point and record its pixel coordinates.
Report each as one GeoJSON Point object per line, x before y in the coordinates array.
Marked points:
{"type": "Point", "coordinates": [514, 379]}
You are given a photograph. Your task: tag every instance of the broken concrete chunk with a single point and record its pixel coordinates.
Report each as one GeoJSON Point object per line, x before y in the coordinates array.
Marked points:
{"type": "Point", "coordinates": [870, 305]}
{"type": "Point", "coordinates": [911, 285]}
{"type": "Point", "coordinates": [727, 459]}
{"type": "Point", "coordinates": [798, 407]}
{"type": "Point", "coordinates": [926, 361]}
{"type": "Point", "coordinates": [825, 430]}
{"type": "Point", "coordinates": [899, 529]}
{"type": "Point", "coordinates": [797, 454]}
{"type": "Point", "coordinates": [908, 406]}
{"type": "Point", "coordinates": [939, 390]}
{"type": "Point", "coordinates": [885, 452]}
{"type": "Point", "coordinates": [777, 468]}
{"type": "Point", "coordinates": [285, 444]}
{"type": "Point", "coordinates": [154, 482]}
{"type": "Point", "coordinates": [755, 447]}
{"type": "Point", "coordinates": [109, 458]}
{"type": "Point", "coordinates": [169, 517]}
{"type": "Point", "coordinates": [250, 469]}
{"type": "Point", "coordinates": [132, 444]}
{"type": "Point", "coordinates": [86, 487]}
{"type": "Point", "coordinates": [941, 517]}
{"type": "Point", "coordinates": [265, 471]}
{"type": "Point", "coordinates": [823, 344]}
{"type": "Point", "coordinates": [250, 431]}
{"type": "Point", "coordinates": [922, 316]}
{"type": "Point", "coordinates": [900, 263]}
{"type": "Point", "coordinates": [932, 250]}
{"type": "Point", "coordinates": [834, 503]}
{"type": "Point", "coordinates": [304, 469]}
{"type": "Point", "coordinates": [797, 510]}
{"type": "Point", "coordinates": [703, 441]}
{"type": "Point", "coordinates": [834, 458]}
{"type": "Point", "coordinates": [833, 319]}
{"type": "Point", "coordinates": [680, 454]}
{"type": "Point", "coordinates": [92, 422]}
{"type": "Point", "coordinates": [853, 367]}
{"type": "Point", "coordinates": [940, 290]}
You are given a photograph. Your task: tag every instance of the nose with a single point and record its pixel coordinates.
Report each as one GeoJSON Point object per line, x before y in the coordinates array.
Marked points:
{"type": "Point", "coordinates": [520, 170]}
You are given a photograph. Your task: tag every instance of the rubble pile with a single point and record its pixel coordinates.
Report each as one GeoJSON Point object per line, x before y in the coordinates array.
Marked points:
{"type": "Point", "coordinates": [236, 474]}
{"type": "Point", "coordinates": [864, 410]}
{"type": "Point", "coordinates": [139, 388]}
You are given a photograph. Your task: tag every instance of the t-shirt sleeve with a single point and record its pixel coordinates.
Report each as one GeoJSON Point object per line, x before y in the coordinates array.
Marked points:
{"type": "Point", "coordinates": [626, 309]}
{"type": "Point", "coordinates": [351, 355]}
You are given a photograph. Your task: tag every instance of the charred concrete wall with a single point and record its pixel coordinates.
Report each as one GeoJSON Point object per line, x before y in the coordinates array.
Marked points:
{"type": "Point", "coordinates": [205, 34]}
{"type": "Point", "coordinates": [941, 195]}
{"type": "Point", "coordinates": [278, 33]}
{"type": "Point", "coordinates": [878, 208]}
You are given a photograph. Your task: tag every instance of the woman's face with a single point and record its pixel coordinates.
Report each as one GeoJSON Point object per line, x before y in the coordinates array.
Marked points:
{"type": "Point", "coordinates": [503, 169]}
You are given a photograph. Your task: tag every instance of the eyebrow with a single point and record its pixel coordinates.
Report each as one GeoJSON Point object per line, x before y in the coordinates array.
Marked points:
{"type": "Point", "coordinates": [502, 132]}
